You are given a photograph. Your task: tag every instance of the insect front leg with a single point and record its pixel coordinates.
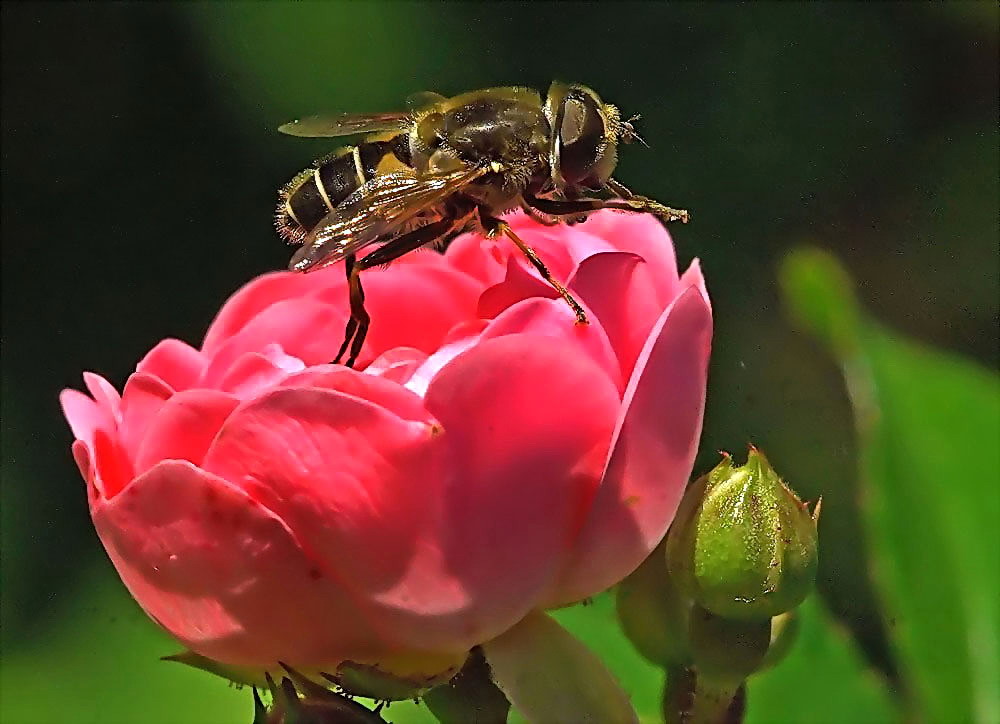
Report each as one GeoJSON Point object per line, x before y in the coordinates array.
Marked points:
{"type": "Point", "coordinates": [640, 204]}
{"type": "Point", "coordinates": [385, 254]}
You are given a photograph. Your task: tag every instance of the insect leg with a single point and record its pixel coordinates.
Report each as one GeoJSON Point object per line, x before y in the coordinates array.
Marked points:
{"type": "Point", "coordinates": [618, 189]}
{"type": "Point", "coordinates": [384, 255]}
{"type": "Point", "coordinates": [536, 216]}
{"type": "Point", "coordinates": [502, 227]}
{"type": "Point", "coordinates": [554, 207]}
{"type": "Point", "coordinates": [352, 323]}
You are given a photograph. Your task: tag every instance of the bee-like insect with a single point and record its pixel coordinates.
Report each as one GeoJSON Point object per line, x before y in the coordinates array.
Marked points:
{"type": "Point", "coordinates": [450, 165]}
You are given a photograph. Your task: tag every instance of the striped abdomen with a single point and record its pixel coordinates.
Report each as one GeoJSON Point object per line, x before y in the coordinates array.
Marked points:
{"type": "Point", "coordinates": [313, 193]}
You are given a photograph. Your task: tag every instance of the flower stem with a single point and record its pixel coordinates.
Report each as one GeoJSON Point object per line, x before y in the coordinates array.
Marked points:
{"type": "Point", "coordinates": [678, 694]}
{"type": "Point", "coordinates": [690, 698]}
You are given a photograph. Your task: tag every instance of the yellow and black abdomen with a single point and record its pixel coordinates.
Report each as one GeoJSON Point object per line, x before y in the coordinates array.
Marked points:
{"type": "Point", "coordinates": [316, 191]}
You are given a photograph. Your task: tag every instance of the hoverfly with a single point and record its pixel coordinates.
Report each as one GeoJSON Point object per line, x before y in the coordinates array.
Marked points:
{"type": "Point", "coordinates": [450, 165]}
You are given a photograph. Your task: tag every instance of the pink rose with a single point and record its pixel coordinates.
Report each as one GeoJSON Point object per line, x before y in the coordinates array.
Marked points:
{"type": "Point", "coordinates": [489, 457]}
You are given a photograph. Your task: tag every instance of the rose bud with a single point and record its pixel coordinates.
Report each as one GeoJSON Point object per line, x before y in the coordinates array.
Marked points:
{"type": "Point", "coordinates": [487, 458]}
{"type": "Point", "coordinates": [743, 545]}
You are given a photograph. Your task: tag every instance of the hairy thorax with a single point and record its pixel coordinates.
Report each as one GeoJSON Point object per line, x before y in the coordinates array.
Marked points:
{"type": "Point", "coordinates": [506, 136]}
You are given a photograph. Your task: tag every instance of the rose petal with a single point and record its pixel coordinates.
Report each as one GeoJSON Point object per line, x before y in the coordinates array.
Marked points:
{"type": "Point", "coordinates": [112, 467]}
{"type": "Point", "coordinates": [256, 296]}
{"type": "Point", "coordinates": [363, 386]}
{"type": "Point", "coordinates": [479, 257]}
{"type": "Point", "coordinates": [561, 246]}
{"type": "Point", "coordinates": [255, 372]}
{"type": "Point", "coordinates": [184, 427]}
{"type": "Point", "coordinates": [83, 414]}
{"type": "Point", "coordinates": [309, 329]}
{"type": "Point", "coordinates": [536, 316]}
{"type": "Point", "coordinates": [396, 364]}
{"type": "Point", "coordinates": [552, 318]}
{"type": "Point", "coordinates": [84, 460]}
{"type": "Point", "coordinates": [518, 284]}
{"type": "Point", "coordinates": [652, 454]}
{"type": "Point", "coordinates": [97, 453]}
{"type": "Point", "coordinates": [553, 244]}
{"type": "Point", "coordinates": [364, 488]}
{"type": "Point", "coordinates": [226, 576]}
{"type": "Point", "coordinates": [421, 377]}
{"type": "Point", "coordinates": [527, 421]}
{"type": "Point", "coordinates": [472, 328]}
{"type": "Point", "coordinates": [693, 277]}
{"type": "Point", "coordinates": [177, 363]}
{"type": "Point", "coordinates": [104, 394]}
{"type": "Point", "coordinates": [142, 399]}
{"type": "Point", "coordinates": [415, 306]}
{"type": "Point", "coordinates": [618, 287]}
{"type": "Point", "coordinates": [642, 234]}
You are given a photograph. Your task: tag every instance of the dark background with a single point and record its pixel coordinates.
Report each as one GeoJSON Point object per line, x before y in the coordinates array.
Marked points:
{"type": "Point", "coordinates": [140, 165]}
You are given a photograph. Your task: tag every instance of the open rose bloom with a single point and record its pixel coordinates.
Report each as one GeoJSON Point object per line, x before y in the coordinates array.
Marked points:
{"type": "Point", "coordinates": [489, 457]}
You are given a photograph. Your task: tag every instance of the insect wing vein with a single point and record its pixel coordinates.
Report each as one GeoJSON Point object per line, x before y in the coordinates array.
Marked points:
{"type": "Point", "coordinates": [375, 210]}
{"type": "Point", "coordinates": [345, 124]}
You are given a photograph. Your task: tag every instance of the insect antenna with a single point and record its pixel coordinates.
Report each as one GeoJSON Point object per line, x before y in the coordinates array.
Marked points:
{"type": "Point", "coordinates": [628, 132]}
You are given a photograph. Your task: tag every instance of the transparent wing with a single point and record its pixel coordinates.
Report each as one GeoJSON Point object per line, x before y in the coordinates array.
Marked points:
{"type": "Point", "coordinates": [374, 211]}
{"type": "Point", "coordinates": [345, 124]}
{"type": "Point", "coordinates": [424, 100]}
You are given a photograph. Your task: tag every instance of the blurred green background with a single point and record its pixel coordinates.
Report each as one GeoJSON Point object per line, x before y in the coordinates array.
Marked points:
{"type": "Point", "coordinates": [140, 165]}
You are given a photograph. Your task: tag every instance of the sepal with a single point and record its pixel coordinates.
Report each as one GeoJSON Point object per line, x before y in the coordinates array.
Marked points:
{"type": "Point", "coordinates": [550, 676]}
{"type": "Point", "coordinates": [470, 696]}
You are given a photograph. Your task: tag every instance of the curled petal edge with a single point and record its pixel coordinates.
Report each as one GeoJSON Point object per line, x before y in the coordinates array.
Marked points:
{"type": "Point", "coordinates": [652, 452]}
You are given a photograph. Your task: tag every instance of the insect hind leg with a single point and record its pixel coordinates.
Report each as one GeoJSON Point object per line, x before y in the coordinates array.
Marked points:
{"type": "Point", "coordinates": [357, 325]}
{"type": "Point", "coordinates": [352, 322]}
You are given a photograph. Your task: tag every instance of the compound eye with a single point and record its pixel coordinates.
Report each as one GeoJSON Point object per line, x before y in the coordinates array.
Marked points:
{"type": "Point", "coordinates": [582, 136]}
{"type": "Point", "coordinates": [574, 120]}
{"type": "Point", "coordinates": [582, 120]}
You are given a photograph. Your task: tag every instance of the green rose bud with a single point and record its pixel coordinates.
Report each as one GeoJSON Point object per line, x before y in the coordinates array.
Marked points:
{"type": "Point", "coordinates": [743, 546]}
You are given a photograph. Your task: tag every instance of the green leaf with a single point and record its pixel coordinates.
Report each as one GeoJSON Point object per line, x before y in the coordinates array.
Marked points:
{"type": "Point", "coordinates": [822, 679]}
{"type": "Point", "coordinates": [550, 676]}
{"type": "Point", "coordinates": [929, 426]}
